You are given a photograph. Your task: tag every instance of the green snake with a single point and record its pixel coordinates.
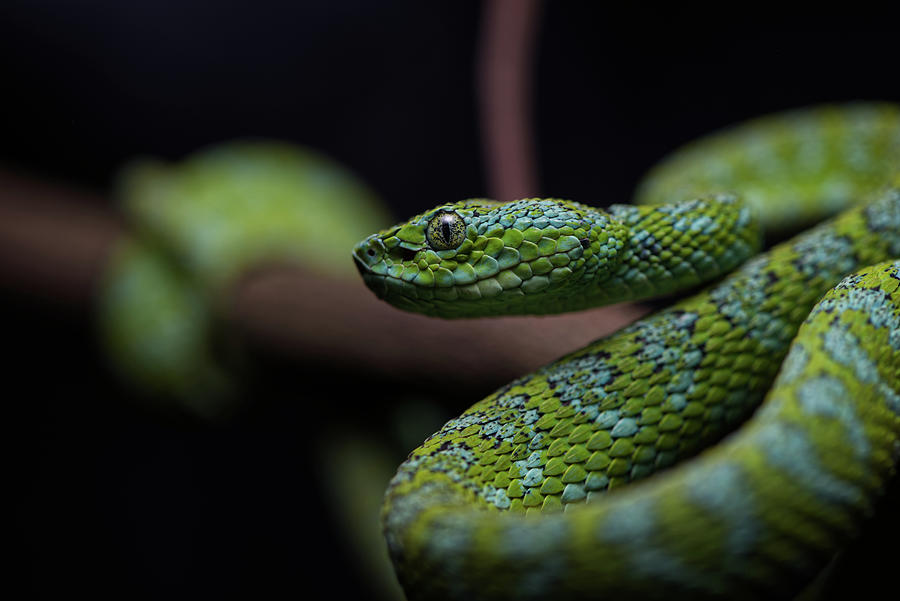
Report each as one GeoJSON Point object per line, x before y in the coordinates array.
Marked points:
{"type": "Point", "coordinates": [196, 228]}
{"type": "Point", "coordinates": [529, 494]}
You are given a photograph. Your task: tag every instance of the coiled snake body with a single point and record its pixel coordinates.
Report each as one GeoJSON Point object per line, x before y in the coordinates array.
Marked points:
{"type": "Point", "coordinates": [477, 510]}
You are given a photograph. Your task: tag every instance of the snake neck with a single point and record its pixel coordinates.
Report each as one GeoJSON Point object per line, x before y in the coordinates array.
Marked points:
{"type": "Point", "coordinates": [675, 246]}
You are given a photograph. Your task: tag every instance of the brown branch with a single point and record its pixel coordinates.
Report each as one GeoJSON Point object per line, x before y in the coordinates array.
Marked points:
{"type": "Point", "coordinates": [54, 240]}
{"type": "Point", "coordinates": [505, 70]}
{"type": "Point", "coordinates": [54, 243]}
{"type": "Point", "coordinates": [342, 321]}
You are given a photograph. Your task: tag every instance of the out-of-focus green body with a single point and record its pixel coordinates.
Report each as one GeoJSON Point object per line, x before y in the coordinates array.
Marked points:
{"type": "Point", "coordinates": [198, 226]}
{"type": "Point", "coordinates": [476, 511]}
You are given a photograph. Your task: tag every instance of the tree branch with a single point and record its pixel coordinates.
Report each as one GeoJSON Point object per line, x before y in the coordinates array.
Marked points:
{"type": "Point", "coordinates": [55, 241]}
{"type": "Point", "coordinates": [505, 91]}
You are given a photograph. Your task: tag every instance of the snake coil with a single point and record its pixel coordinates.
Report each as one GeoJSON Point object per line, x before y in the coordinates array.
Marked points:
{"type": "Point", "coordinates": [543, 489]}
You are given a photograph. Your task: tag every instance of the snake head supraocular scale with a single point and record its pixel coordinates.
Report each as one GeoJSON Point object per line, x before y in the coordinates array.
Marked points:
{"type": "Point", "coordinates": [480, 257]}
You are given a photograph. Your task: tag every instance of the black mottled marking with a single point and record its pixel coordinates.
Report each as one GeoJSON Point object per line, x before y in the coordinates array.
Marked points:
{"type": "Point", "coordinates": [585, 242]}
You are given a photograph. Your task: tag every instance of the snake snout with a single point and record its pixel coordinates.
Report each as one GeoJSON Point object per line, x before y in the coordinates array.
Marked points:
{"type": "Point", "coordinates": [368, 253]}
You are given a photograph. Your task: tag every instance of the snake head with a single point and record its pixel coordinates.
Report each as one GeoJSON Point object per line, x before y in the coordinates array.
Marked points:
{"type": "Point", "coordinates": [480, 257]}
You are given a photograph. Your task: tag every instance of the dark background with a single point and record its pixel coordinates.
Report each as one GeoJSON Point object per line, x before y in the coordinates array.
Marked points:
{"type": "Point", "coordinates": [111, 500]}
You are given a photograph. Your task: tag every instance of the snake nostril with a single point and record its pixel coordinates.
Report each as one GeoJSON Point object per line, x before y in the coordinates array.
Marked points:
{"type": "Point", "coordinates": [371, 252]}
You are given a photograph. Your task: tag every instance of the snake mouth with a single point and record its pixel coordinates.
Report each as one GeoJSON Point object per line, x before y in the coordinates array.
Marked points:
{"type": "Point", "coordinates": [386, 287]}
{"type": "Point", "coordinates": [375, 282]}
{"type": "Point", "coordinates": [377, 266]}
{"type": "Point", "coordinates": [368, 254]}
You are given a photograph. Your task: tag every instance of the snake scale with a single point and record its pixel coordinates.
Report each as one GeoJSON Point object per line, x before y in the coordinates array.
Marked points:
{"type": "Point", "coordinates": [662, 460]}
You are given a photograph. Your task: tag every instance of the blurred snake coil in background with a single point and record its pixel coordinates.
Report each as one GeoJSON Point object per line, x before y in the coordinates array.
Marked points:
{"type": "Point", "coordinates": [199, 227]}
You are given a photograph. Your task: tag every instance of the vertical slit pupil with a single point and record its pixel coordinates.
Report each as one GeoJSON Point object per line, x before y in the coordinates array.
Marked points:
{"type": "Point", "coordinates": [445, 229]}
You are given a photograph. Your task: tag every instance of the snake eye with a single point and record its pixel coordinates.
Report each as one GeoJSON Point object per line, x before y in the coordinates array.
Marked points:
{"type": "Point", "coordinates": [445, 231]}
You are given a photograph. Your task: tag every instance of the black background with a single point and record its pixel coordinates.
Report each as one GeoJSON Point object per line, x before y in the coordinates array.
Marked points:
{"type": "Point", "coordinates": [110, 500]}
